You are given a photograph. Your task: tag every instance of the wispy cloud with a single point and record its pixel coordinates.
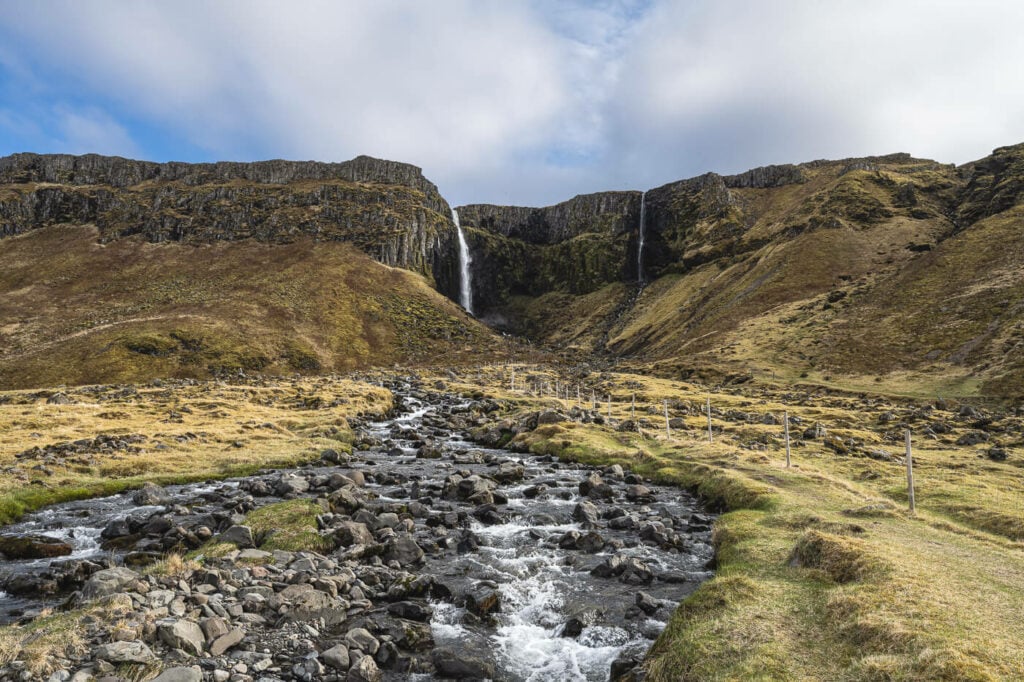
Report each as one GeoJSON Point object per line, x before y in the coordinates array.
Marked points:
{"type": "Point", "coordinates": [514, 102]}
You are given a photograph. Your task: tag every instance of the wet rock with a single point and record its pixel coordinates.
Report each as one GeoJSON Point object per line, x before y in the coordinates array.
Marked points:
{"type": "Point", "coordinates": [509, 472]}
{"type": "Point", "coordinates": [332, 456]}
{"type": "Point", "coordinates": [483, 603]}
{"type": "Point", "coordinates": [33, 547]}
{"type": "Point", "coordinates": [344, 500]}
{"type": "Point", "coordinates": [291, 484]}
{"type": "Point", "coordinates": [594, 486]}
{"type": "Point", "coordinates": [365, 670]}
{"type": "Point", "coordinates": [587, 514]}
{"type": "Point", "coordinates": [591, 543]}
{"type": "Point", "coordinates": [462, 665]}
{"type": "Point", "coordinates": [639, 493]}
{"type": "Point", "coordinates": [647, 603]}
{"type": "Point", "coordinates": [349, 533]}
{"type": "Point", "coordinates": [107, 582]}
{"type": "Point", "coordinates": [404, 550]}
{"type": "Point", "coordinates": [410, 610]}
{"type": "Point", "coordinates": [150, 494]}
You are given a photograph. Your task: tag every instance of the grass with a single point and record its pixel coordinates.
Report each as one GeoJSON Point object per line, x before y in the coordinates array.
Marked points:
{"type": "Point", "coordinates": [77, 312]}
{"type": "Point", "coordinates": [189, 432]}
{"type": "Point", "coordinates": [821, 573]}
{"type": "Point", "coordinates": [53, 637]}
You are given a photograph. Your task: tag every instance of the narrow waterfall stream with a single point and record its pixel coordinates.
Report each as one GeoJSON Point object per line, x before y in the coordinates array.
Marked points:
{"type": "Point", "coordinates": [465, 262]}
{"type": "Point", "coordinates": [531, 569]}
{"type": "Point", "coordinates": [640, 243]}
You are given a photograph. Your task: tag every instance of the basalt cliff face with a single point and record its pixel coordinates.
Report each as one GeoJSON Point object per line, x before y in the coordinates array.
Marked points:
{"type": "Point", "coordinates": [119, 270]}
{"type": "Point", "coordinates": [386, 209]}
{"type": "Point", "coordinates": [848, 272]}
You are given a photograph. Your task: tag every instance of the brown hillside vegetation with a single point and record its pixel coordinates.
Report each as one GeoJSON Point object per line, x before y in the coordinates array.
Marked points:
{"type": "Point", "coordinates": [889, 270]}
{"type": "Point", "coordinates": [76, 311]}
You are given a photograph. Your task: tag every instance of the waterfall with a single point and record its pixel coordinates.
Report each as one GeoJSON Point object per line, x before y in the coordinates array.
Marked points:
{"type": "Point", "coordinates": [640, 246]}
{"type": "Point", "coordinates": [465, 260]}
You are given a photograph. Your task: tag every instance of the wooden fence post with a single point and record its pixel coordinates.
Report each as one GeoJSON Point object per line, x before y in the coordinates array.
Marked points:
{"type": "Point", "coordinates": [668, 429]}
{"type": "Point", "coordinates": [632, 410]}
{"type": "Point", "coordinates": [910, 475]}
{"type": "Point", "coordinates": [785, 421]}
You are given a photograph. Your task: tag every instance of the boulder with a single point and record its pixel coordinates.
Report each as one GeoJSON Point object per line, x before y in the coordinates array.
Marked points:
{"type": "Point", "coordinates": [365, 670]}
{"type": "Point", "coordinates": [404, 550]}
{"type": "Point", "coordinates": [291, 484]}
{"type": "Point", "coordinates": [33, 547]}
{"type": "Point", "coordinates": [336, 657]}
{"type": "Point", "coordinates": [361, 639]}
{"type": "Point", "coordinates": [179, 674]}
{"type": "Point", "coordinates": [182, 634]}
{"type": "Point", "coordinates": [124, 652]}
{"type": "Point", "coordinates": [150, 494]}
{"type": "Point", "coordinates": [240, 536]}
{"type": "Point", "coordinates": [226, 641]}
{"type": "Point", "coordinates": [107, 582]}
{"type": "Point", "coordinates": [462, 665]}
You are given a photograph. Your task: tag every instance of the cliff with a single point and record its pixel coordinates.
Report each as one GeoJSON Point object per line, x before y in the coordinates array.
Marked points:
{"type": "Point", "coordinates": [386, 209]}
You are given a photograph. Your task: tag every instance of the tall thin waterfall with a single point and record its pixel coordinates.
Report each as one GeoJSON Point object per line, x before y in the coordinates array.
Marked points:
{"type": "Point", "coordinates": [640, 244]}
{"type": "Point", "coordinates": [465, 260]}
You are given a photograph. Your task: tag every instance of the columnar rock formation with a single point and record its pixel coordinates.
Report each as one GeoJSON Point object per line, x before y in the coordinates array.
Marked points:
{"type": "Point", "coordinates": [387, 209]}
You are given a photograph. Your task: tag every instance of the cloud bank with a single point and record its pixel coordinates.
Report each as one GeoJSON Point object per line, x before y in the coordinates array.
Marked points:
{"type": "Point", "coordinates": [514, 102]}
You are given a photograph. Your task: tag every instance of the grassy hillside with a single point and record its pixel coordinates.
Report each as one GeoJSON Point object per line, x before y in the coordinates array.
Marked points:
{"type": "Point", "coordinates": [890, 273]}
{"type": "Point", "coordinates": [75, 311]}
{"type": "Point", "coordinates": [821, 571]}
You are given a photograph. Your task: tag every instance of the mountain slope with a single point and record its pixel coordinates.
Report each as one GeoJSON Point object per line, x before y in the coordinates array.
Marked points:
{"type": "Point", "coordinates": [77, 311]}
{"type": "Point", "coordinates": [890, 270]}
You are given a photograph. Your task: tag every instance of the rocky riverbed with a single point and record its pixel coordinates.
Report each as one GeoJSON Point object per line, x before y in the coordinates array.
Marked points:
{"type": "Point", "coordinates": [446, 560]}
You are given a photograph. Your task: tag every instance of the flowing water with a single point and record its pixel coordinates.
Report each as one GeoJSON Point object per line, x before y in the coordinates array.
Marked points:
{"type": "Point", "coordinates": [545, 590]}
{"type": "Point", "coordinates": [640, 244]}
{"type": "Point", "coordinates": [465, 262]}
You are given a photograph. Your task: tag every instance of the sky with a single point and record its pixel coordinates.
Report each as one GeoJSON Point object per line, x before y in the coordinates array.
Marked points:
{"type": "Point", "coordinates": [524, 102]}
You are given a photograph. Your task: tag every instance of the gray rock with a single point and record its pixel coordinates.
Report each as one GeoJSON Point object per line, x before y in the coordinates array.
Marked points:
{"type": "Point", "coordinates": [365, 670]}
{"type": "Point", "coordinates": [337, 657]}
{"type": "Point", "coordinates": [180, 674]}
{"type": "Point", "coordinates": [33, 547]}
{"type": "Point", "coordinates": [240, 536]}
{"type": "Point", "coordinates": [404, 550]}
{"type": "Point", "coordinates": [587, 514]}
{"type": "Point", "coordinates": [227, 641]}
{"type": "Point", "coordinates": [149, 495]}
{"type": "Point", "coordinates": [107, 582]}
{"type": "Point", "coordinates": [290, 484]}
{"type": "Point", "coordinates": [360, 638]}
{"type": "Point", "coordinates": [462, 665]}
{"type": "Point", "coordinates": [182, 634]}
{"type": "Point", "coordinates": [124, 652]}
{"type": "Point", "coordinates": [349, 533]}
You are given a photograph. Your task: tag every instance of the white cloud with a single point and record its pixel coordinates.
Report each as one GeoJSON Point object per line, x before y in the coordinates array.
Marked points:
{"type": "Point", "coordinates": [524, 102]}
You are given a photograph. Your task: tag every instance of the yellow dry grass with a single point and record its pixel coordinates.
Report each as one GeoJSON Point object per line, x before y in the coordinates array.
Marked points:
{"type": "Point", "coordinates": [822, 573]}
{"type": "Point", "coordinates": [190, 431]}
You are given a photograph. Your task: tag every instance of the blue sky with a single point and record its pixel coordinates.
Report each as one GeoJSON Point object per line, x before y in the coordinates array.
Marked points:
{"type": "Point", "coordinates": [514, 102]}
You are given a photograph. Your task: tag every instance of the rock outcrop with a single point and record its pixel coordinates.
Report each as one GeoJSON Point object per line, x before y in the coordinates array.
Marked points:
{"type": "Point", "coordinates": [387, 209]}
